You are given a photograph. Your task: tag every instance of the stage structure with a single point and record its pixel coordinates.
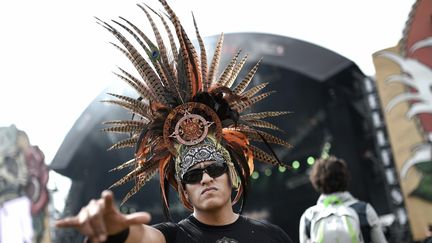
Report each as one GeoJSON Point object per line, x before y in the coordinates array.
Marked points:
{"type": "Point", "coordinates": [330, 115]}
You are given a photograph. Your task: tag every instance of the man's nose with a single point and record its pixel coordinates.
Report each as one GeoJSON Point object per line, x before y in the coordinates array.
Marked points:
{"type": "Point", "coordinates": [206, 178]}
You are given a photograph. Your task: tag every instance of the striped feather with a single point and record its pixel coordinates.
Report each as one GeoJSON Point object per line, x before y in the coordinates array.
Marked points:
{"type": "Point", "coordinates": [262, 156]}
{"type": "Point", "coordinates": [126, 122]}
{"type": "Point", "coordinates": [247, 103]}
{"type": "Point", "coordinates": [143, 68]}
{"type": "Point", "coordinates": [188, 54]}
{"type": "Point", "coordinates": [139, 86]}
{"type": "Point", "coordinates": [122, 129]}
{"type": "Point", "coordinates": [128, 163]}
{"type": "Point", "coordinates": [265, 124]}
{"type": "Point", "coordinates": [236, 71]}
{"type": "Point", "coordinates": [226, 74]}
{"type": "Point", "coordinates": [131, 175]}
{"type": "Point", "coordinates": [253, 135]}
{"type": "Point", "coordinates": [252, 91]}
{"type": "Point", "coordinates": [128, 106]}
{"type": "Point", "coordinates": [135, 102]}
{"type": "Point", "coordinates": [129, 142]}
{"type": "Point", "coordinates": [261, 115]}
{"type": "Point", "coordinates": [170, 37]}
{"type": "Point", "coordinates": [153, 53]}
{"type": "Point", "coordinates": [142, 180]}
{"type": "Point", "coordinates": [245, 82]}
{"type": "Point", "coordinates": [203, 56]}
{"type": "Point", "coordinates": [215, 62]}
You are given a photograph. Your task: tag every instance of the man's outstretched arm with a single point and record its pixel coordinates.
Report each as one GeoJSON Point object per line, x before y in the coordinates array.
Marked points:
{"type": "Point", "coordinates": [101, 219]}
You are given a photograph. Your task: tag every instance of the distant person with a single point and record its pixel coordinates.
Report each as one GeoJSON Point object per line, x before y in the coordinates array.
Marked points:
{"type": "Point", "coordinates": [337, 213]}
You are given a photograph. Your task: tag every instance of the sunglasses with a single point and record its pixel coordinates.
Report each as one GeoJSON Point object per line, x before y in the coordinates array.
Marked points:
{"type": "Point", "coordinates": [195, 176]}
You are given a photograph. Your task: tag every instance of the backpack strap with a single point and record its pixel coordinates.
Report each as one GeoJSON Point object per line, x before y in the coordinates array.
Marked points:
{"type": "Point", "coordinates": [360, 208]}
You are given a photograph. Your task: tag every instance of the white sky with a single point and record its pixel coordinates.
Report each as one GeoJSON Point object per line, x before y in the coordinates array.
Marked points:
{"type": "Point", "coordinates": [55, 59]}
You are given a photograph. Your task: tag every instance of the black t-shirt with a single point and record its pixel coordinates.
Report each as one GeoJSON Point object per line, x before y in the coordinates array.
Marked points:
{"type": "Point", "coordinates": [243, 230]}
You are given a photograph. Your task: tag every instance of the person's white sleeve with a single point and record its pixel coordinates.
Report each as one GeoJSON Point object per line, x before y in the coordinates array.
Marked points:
{"type": "Point", "coordinates": [302, 229]}
{"type": "Point", "coordinates": [377, 234]}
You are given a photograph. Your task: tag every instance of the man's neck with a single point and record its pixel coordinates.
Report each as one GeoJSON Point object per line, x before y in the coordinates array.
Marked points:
{"type": "Point", "coordinates": [223, 216]}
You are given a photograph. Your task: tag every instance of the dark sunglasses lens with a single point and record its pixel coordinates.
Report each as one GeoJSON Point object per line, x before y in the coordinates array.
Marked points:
{"type": "Point", "coordinates": [193, 176]}
{"type": "Point", "coordinates": [213, 170]}
{"type": "Point", "coordinates": [216, 169]}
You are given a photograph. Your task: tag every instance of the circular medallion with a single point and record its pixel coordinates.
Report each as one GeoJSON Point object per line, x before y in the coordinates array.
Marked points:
{"type": "Point", "coordinates": [190, 125]}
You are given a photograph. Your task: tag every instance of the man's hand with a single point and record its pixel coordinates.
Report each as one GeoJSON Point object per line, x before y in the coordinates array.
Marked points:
{"type": "Point", "coordinates": [101, 218]}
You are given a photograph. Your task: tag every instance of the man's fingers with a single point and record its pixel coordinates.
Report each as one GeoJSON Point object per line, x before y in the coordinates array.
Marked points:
{"type": "Point", "coordinates": [108, 198]}
{"type": "Point", "coordinates": [95, 213]}
{"type": "Point", "coordinates": [68, 222]}
{"type": "Point", "coordinates": [138, 218]}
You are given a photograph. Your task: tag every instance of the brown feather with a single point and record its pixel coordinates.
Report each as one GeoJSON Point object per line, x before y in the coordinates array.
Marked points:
{"type": "Point", "coordinates": [245, 82]}
{"type": "Point", "coordinates": [252, 91]}
{"type": "Point", "coordinates": [139, 86]}
{"type": "Point", "coordinates": [226, 74]}
{"type": "Point", "coordinates": [142, 180]}
{"type": "Point", "coordinates": [215, 62]}
{"type": "Point", "coordinates": [263, 156]}
{"type": "Point", "coordinates": [128, 163]}
{"type": "Point", "coordinates": [261, 115]}
{"type": "Point", "coordinates": [247, 103]}
{"type": "Point", "coordinates": [203, 56]}
{"type": "Point", "coordinates": [265, 124]}
{"type": "Point", "coordinates": [236, 71]}
{"type": "Point", "coordinates": [129, 142]}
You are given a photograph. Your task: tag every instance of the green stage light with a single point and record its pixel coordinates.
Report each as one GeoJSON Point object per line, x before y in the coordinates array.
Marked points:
{"type": "Point", "coordinates": [268, 172]}
{"type": "Point", "coordinates": [296, 164]}
{"type": "Point", "coordinates": [255, 175]}
{"type": "Point", "coordinates": [282, 169]}
{"type": "Point", "coordinates": [310, 160]}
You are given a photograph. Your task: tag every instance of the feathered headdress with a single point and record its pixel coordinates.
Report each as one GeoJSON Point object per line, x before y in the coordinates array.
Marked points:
{"type": "Point", "coordinates": [184, 107]}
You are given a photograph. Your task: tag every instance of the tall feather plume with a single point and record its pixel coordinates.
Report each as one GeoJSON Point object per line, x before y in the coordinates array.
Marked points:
{"type": "Point", "coordinates": [242, 105]}
{"type": "Point", "coordinates": [236, 71]}
{"type": "Point", "coordinates": [245, 82]}
{"type": "Point", "coordinates": [128, 106]}
{"type": "Point", "coordinates": [203, 56]}
{"type": "Point", "coordinates": [265, 124]}
{"type": "Point", "coordinates": [262, 156]}
{"type": "Point", "coordinates": [188, 54]}
{"type": "Point", "coordinates": [252, 91]}
{"type": "Point", "coordinates": [126, 164]}
{"type": "Point", "coordinates": [170, 37]}
{"type": "Point", "coordinates": [211, 78]}
{"type": "Point", "coordinates": [129, 142]}
{"type": "Point", "coordinates": [139, 86]}
{"type": "Point", "coordinates": [152, 51]}
{"type": "Point", "coordinates": [261, 115]}
{"type": "Point", "coordinates": [143, 68]}
{"type": "Point", "coordinates": [254, 136]}
{"type": "Point", "coordinates": [226, 74]}
{"type": "Point", "coordinates": [142, 180]}
{"type": "Point", "coordinates": [171, 78]}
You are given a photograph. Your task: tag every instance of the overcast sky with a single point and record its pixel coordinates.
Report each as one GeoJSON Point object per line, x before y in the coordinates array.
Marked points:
{"type": "Point", "coordinates": [55, 59]}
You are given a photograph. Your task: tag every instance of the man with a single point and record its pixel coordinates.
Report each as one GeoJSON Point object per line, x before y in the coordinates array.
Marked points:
{"type": "Point", "coordinates": [212, 220]}
{"type": "Point", "coordinates": [330, 176]}
{"type": "Point", "coordinates": [188, 126]}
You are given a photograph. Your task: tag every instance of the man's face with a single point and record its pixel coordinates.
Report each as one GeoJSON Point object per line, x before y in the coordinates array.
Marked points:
{"type": "Point", "coordinates": [209, 193]}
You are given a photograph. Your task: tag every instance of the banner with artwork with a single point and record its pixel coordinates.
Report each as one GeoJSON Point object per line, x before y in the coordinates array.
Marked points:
{"type": "Point", "coordinates": [404, 82]}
